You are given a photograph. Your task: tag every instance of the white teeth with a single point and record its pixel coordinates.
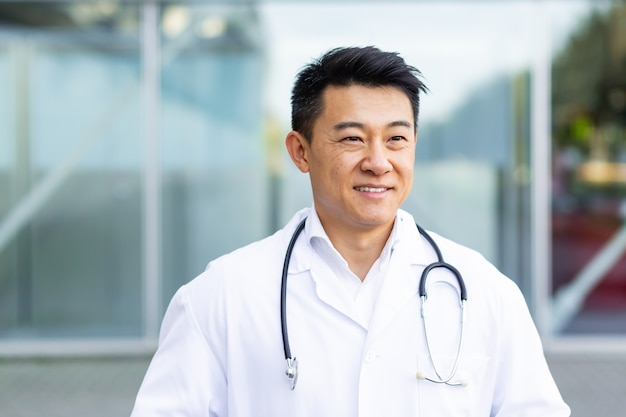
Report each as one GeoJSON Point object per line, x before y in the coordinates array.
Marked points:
{"type": "Point", "coordinates": [371, 189]}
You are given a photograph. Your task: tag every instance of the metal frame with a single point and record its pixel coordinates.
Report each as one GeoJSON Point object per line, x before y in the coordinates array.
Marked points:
{"type": "Point", "coordinates": [540, 170]}
{"type": "Point", "coordinates": [150, 54]}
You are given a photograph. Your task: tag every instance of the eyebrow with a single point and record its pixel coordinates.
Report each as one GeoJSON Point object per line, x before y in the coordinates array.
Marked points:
{"type": "Point", "coordinates": [349, 124]}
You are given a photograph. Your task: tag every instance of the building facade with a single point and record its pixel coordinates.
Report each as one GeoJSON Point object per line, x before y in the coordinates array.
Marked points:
{"type": "Point", "coordinates": [140, 140]}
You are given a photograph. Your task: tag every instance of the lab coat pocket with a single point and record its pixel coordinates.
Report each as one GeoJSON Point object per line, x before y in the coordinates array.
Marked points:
{"type": "Point", "coordinates": [465, 394]}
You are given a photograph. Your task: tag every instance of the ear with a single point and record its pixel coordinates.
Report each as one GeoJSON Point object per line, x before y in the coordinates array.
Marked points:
{"type": "Point", "coordinates": [298, 149]}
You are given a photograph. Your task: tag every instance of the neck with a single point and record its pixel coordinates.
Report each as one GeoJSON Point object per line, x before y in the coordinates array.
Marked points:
{"type": "Point", "coordinates": [360, 249]}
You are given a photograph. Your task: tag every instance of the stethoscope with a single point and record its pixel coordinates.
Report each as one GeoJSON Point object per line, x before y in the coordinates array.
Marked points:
{"type": "Point", "coordinates": [292, 362]}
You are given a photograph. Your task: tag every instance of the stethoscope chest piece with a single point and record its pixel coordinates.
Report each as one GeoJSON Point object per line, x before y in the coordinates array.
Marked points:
{"type": "Point", "coordinates": [292, 371]}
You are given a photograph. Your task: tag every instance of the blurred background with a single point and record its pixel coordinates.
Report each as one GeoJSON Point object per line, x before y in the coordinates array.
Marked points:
{"type": "Point", "coordinates": [140, 140]}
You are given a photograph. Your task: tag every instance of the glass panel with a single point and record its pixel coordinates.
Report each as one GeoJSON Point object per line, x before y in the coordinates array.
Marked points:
{"type": "Point", "coordinates": [215, 195]}
{"type": "Point", "coordinates": [8, 282]}
{"type": "Point", "coordinates": [589, 172]}
{"type": "Point", "coordinates": [71, 164]}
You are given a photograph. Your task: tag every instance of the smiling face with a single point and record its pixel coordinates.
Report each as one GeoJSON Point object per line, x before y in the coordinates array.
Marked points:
{"type": "Point", "coordinates": [360, 157]}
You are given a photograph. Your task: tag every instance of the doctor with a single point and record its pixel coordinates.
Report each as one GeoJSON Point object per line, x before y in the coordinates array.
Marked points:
{"type": "Point", "coordinates": [356, 341]}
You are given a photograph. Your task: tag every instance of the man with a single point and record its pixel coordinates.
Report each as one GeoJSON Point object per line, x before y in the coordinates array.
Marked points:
{"type": "Point", "coordinates": [352, 307]}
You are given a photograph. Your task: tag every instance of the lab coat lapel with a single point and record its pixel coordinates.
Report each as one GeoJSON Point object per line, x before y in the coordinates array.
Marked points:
{"type": "Point", "coordinates": [329, 292]}
{"type": "Point", "coordinates": [322, 277]}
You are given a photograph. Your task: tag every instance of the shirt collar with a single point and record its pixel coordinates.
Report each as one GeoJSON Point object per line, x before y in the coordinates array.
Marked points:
{"type": "Point", "coordinates": [314, 230]}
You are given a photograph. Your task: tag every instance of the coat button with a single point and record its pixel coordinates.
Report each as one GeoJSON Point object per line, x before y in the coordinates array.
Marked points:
{"type": "Point", "coordinates": [370, 356]}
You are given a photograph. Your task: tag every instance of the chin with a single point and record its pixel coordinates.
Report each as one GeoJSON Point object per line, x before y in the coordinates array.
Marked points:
{"type": "Point", "coordinates": [377, 220]}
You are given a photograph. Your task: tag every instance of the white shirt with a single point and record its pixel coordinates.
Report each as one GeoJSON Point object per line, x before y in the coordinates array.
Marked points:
{"type": "Point", "coordinates": [220, 350]}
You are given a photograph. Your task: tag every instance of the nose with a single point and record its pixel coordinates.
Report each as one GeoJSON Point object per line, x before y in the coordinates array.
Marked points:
{"type": "Point", "coordinates": [377, 159]}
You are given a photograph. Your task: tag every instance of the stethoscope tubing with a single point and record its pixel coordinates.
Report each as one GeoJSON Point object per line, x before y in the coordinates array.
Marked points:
{"type": "Point", "coordinates": [439, 264]}
{"type": "Point", "coordinates": [292, 364]}
{"type": "Point", "coordinates": [283, 289]}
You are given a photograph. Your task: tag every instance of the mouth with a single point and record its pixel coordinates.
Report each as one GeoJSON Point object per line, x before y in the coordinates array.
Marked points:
{"type": "Point", "coordinates": [372, 189]}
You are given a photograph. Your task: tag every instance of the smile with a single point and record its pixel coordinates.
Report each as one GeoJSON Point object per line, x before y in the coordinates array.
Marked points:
{"type": "Point", "coordinates": [371, 189]}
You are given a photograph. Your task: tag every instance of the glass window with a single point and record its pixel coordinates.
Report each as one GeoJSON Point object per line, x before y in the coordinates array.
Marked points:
{"type": "Point", "coordinates": [70, 253]}
{"type": "Point", "coordinates": [73, 162]}
{"type": "Point", "coordinates": [589, 173]}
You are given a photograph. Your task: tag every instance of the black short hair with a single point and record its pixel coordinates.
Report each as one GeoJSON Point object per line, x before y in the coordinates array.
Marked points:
{"type": "Point", "coordinates": [367, 66]}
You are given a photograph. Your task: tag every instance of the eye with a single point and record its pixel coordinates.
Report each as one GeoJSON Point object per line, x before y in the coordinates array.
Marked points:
{"type": "Point", "coordinates": [397, 138]}
{"type": "Point", "coordinates": [352, 139]}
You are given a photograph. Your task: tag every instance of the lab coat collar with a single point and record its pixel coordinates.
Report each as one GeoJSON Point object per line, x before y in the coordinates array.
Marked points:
{"type": "Point", "coordinates": [304, 256]}
{"type": "Point", "coordinates": [400, 283]}
{"type": "Point", "coordinates": [419, 250]}
{"type": "Point", "coordinates": [405, 234]}
{"type": "Point", "coordinates": [301, 256]}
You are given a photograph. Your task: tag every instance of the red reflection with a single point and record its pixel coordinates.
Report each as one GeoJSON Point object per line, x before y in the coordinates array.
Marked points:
{"type": "Point", "coordinates": [577, 238]}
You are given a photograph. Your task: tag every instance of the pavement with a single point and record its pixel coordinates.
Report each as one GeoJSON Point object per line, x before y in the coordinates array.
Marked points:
{"type": "Point", "coordinates": [594, 385]}
{"type": "Point", "coordinates": [85, 387]}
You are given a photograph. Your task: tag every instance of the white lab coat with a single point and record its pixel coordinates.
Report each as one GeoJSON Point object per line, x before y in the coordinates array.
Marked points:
{"type": "Point", "coordinates": [220, 351]}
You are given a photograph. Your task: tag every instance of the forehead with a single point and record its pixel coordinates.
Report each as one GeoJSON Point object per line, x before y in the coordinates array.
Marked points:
{"type": "Point", "coordinates": [359, 101]}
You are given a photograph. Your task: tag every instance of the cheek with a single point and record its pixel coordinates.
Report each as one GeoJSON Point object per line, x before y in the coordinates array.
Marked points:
{"type": "Point", "coordinates": [408, 162]}
{"type": "Point", "coordinates": [407, 171]}
{"type": "Point", "coordinates": [338, 170]}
